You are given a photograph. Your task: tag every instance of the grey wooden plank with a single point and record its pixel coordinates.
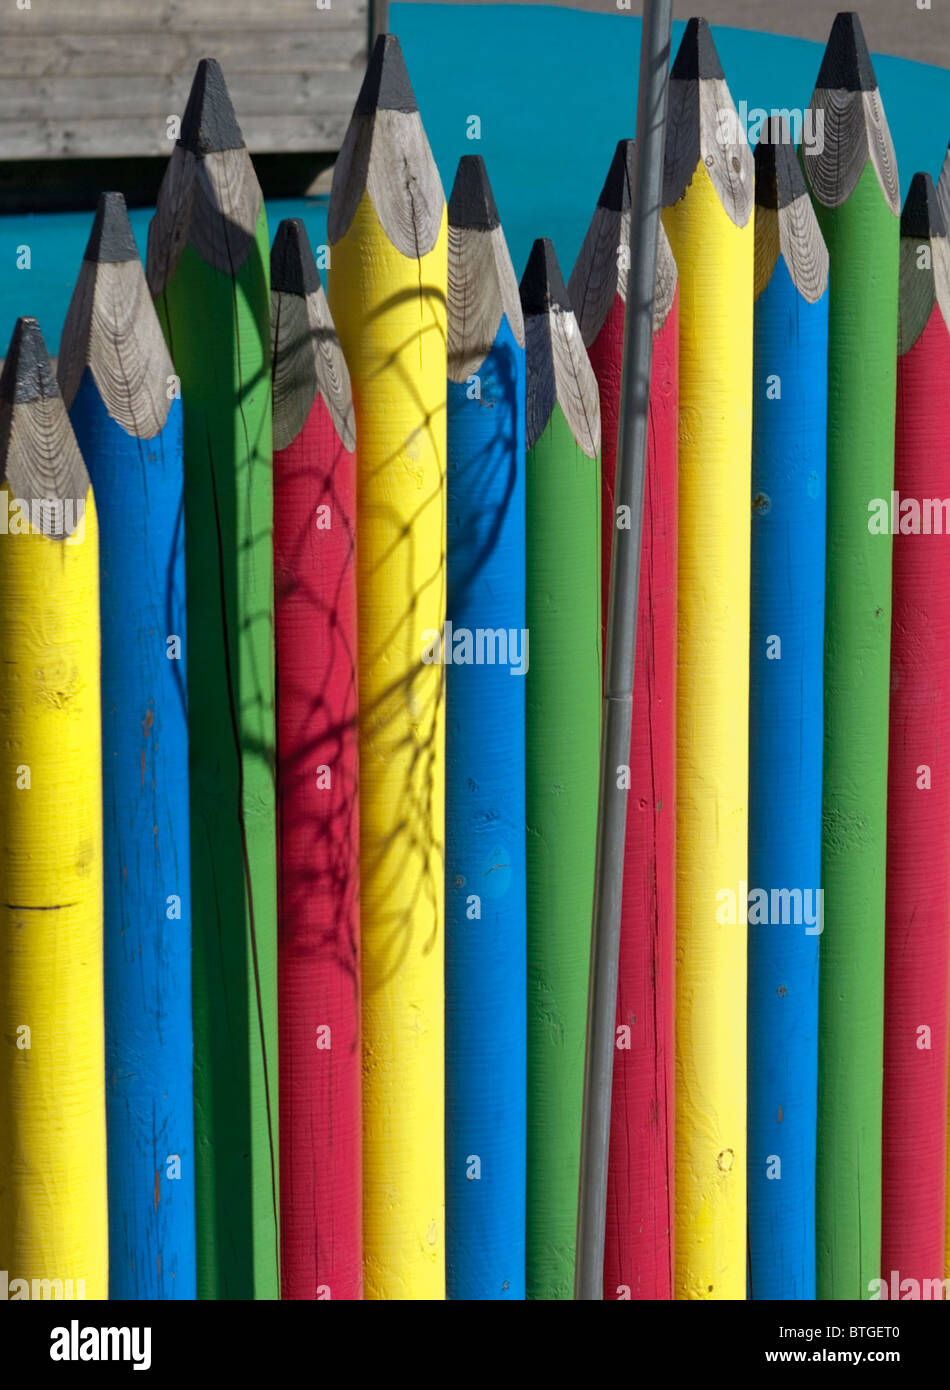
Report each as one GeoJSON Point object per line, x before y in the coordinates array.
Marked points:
{"type": "Point", "coordinates": [180, 15]}
{"type": "Point", "coordinates": [117, 136]}
{"type": "Point", "coordinates": [77, 99]}
{"type": "Point", "coordinates": [149, 53]}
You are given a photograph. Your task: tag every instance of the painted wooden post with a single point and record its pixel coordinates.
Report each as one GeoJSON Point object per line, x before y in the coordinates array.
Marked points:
{"type": "Point", "coordinates": [317, 785]}
{"type": "Point", "coordinates": [119, 386]}
{"type": "Point", "coordinates": [53, 1212]}
{"type": "Point", "coordinates": [708, 215]}
{"type": "Point", "coordinates": [486, 923]}
{"type": "Point", "coordinates": [208, 269]}
{"type": "Point", "coordinates": [387, 290]}
{"type": "Point", "coordinates": [855, 192]}
{"type": "Point", "coordinates": [562, 754]}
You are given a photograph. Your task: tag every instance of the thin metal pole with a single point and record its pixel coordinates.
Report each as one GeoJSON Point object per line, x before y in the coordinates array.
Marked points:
{"type": "Point", "coordinates": [379, 20]}
{"type": "Point", "coordinates": [621, 646]}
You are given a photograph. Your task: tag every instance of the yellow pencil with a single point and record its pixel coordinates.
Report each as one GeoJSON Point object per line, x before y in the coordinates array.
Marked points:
{"type": "Point", "coordinates": [387, 289]}
{"type": "Point", "coordinates": [53, 1222]}
{"type": "Point", "coordinates": [708, 215]}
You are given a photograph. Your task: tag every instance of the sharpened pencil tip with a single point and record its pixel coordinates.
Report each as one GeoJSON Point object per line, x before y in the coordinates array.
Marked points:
{"type": "Point", "coordinates": [542, 285]}
{"type": "Point", "coordinates": [386, 86]}
{"type": "Point", "coordinates": [111, 237]}
{"type": "Point", "coordinates": [27, 371]}
{"type": "Point", "coordinates": [293, 269]}
{"type": "Point", "coordinates": [472, 204]}
{"type": "Point", "coordinates": [209, 123]}
{"type": "Point", "coordinates": [697, 57]}
{"type": "Point", "coordinates": [846, 65]}
{"type": "Point", "coordinates": [778, 175]}
{"type": "Point", "coordinates": [923, 216]}
{"type": "Point", "coordinates": [615, 194]}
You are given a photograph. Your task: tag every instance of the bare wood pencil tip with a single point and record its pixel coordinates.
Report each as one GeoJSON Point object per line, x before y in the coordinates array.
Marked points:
{"type": "Point", "coordinates": [210, 170]}
{"type": "Point", "coordinates": [778, 174]}
{"type": "Point", "coordinates": [854, 127]}
{"type": "Point", "coordinates": [703, 129]}
{"type": "Point", "coordinates": [615, 194]}
{"type": "Point", "coordinates": [542, 284]}
{"type": "Point", "coordinates": [111, 238]}
{"type": "Point", "coordinates": [601, 269]}
{"type": "Point", "coordinates": [922, 216]}
{"type": "Point", "coordinates": [209, 124]}
{"type": "Point", "coordinates": [293, 269]}
{"type": "Point", "coordinates": [847, 65]}
{"type": "Point", "coordinates": [924, 280]}
{"type": "Point", "coordinates": [697, 59]}
{"type": "Point", "coordinates": [482, 285]}
{"type": "Point", "coordinates": [386, 86]}
{"type": "Point", "coordinates": [306, 353]}
{"type": "Point", "coordinates": [39, 456]}
{"type": "Point", "coordinates": [112, 328]}
{"type": "Point", "coordinates": [786, 226]}
{"type": "Point", "coordinates": [558, 368]}
{"type": "Point", "coordinates": [27, 371]}
{"type": "Point", "coordinates": [385, 149]}
{"type": "Point", "coordinates": [472, 204]}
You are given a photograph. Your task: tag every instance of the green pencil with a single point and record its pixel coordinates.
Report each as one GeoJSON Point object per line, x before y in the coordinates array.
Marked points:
{"type": "Point", "coordinates": [852, 175]}
{"type": "Point", "coordinates": [208, 259]}
{"type": "Point", "coordinates": [562, 738]}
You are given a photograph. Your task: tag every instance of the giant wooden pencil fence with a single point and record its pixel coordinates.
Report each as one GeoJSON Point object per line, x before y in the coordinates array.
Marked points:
{"type": "Point", "coordinates": [638, 1258]}
{"type": "Point", "coordinates": [853, 182]}
{"type": "Point", "coordinates": [208, 268]}
{"type": "Point", "coordinates": [708, 214]}
{"type": "Point", "coordinates": [117, 381]}
{"type": "Point", "coordinates": [101, 1178]}
{"type": "Point", "coordinates": [486, 927]}
{"type": "Point", "coordinates": [785, 719]}
{"type": "Point", "coordinates": [317, 776]}
{"type": "Point", "coordinates": [387, 290]}
{"type": "Point", "coordinates": [917, 944]}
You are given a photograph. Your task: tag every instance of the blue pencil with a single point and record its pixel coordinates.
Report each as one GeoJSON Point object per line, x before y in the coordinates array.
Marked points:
{"type": "Point", "coordinates": [117, 381]}
{"type": "Point", "coordinates": [785, 770]}
{"type": "Point", "coordinates": [486, 925]}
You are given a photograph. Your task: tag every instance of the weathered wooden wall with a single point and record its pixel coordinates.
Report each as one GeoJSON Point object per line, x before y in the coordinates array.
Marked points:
{"type": "Point", "coordinates": [99, 78]}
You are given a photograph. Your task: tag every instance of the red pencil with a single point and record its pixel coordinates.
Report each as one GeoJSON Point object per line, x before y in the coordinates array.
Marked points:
{"type": "Point", "coordinates": [917, 943]}
{"type": "Point", "coordinates": [638, 1260]}
{"type": "Point", "coordinates": [317, 803]}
